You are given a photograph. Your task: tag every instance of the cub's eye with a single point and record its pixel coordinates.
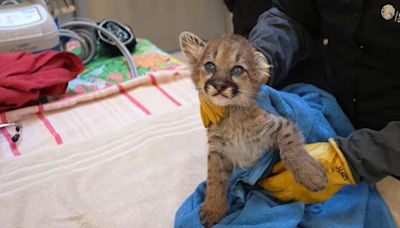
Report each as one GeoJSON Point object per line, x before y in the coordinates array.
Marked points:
{"type": "Point", "coordinates": [237, 70]}
{"type": "Point", "coordinates": [210, 68]}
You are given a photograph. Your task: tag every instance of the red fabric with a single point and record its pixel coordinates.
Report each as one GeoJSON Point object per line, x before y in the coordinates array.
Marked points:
{"type": "Point", "coordinates": [24, 76]}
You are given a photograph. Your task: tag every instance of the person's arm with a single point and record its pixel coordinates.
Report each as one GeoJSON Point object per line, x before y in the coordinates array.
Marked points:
{"type": "Point", "coordinates": [283, 34]}
{"type": "Point", "coordinates": [230, 5]}
{"type": "Point", "coordinates": [245, 14]}
{"type": "Point", "coordinates": [373, 155]}
{"type": "Point", "coordinates": [364, 156]}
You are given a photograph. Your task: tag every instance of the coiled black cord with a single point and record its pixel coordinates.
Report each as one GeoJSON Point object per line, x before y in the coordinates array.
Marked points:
{"type": "Point", "coordinates": [84, 31]}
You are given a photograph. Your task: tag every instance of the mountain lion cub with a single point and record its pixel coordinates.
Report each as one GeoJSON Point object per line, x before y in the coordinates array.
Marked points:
{"type": "Point", "coordinates": [228, 72]}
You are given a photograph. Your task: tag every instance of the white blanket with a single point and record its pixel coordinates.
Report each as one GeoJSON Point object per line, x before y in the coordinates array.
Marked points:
{"type": "Point", "coordinates": [136, 177]}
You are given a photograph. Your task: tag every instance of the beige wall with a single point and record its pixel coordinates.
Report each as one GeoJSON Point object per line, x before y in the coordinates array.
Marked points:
{"type": "Point", "coordinates": [162, 21]}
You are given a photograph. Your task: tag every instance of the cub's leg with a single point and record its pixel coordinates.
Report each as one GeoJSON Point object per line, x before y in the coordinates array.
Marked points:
{"type": "Point", "coordinates": [215, 203]}
{"type": "Point", "coordinates": [305, 169]}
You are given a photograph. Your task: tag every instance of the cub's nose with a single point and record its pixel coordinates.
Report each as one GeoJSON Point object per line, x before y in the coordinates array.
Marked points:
{"type": "Point", "coordinates": [219, 86]}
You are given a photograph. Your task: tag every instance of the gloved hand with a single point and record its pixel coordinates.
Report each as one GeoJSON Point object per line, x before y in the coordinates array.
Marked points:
{"type": "Point", "coordinates": [283, 186]}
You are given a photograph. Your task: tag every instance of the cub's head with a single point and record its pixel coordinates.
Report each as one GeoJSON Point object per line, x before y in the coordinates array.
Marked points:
{"type": "Point", "coordinates": [227, 70]}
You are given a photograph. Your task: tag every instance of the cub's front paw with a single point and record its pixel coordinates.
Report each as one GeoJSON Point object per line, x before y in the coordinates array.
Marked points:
{"type": "Point", "coordinates": [212, 212]}
{"type": "Point", "coordinates": [311, 174]}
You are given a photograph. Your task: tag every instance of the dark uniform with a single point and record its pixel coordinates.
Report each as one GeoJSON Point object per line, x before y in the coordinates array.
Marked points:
{"type": "Point", "coordinates": [352, 49]}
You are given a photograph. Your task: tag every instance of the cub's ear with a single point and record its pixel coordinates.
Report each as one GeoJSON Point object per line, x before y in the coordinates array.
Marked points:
{"type": "Point", "coordinates": [263, 67]}
{"type": "Point", "coordinates": [192, 45]}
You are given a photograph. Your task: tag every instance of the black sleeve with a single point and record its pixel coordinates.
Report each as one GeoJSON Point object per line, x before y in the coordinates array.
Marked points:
{"type": "Point", "coordinates": [230, 4]}
{"type": "Point", "coordinates": [245, 14]}
{"type": "Point", "coordinates": [373, 155]}
{"type": "Point", "coordinates": [283, 34]}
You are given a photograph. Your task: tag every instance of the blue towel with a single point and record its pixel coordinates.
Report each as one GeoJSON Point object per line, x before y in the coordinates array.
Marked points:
{"type": "Point", "coordinates": [319, 117]}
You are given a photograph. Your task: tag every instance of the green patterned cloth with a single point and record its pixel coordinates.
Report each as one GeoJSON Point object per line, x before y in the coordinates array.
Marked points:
{"type": "Point", "coordinates": [105, 71]}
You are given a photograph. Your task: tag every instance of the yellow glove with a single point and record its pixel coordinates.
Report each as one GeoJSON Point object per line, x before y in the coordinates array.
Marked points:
{"type": "Point", "coordinates": [283, 186]}
{"type": "Point", "coordinates": [210, 113]}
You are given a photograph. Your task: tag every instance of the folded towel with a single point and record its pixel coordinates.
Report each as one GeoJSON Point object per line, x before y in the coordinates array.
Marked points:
{"type": "Point", "coordinates": [319, 117]}
{"type": "Point", "coordinates": [25, 76]}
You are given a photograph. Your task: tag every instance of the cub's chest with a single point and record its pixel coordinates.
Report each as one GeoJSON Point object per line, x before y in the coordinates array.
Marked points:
{"type": "Point", "coordinates": [244, 127]}
{"type": "Point", "coordinates": [240, 133]}
{"type": "Point", "coordinates": [243, 142]}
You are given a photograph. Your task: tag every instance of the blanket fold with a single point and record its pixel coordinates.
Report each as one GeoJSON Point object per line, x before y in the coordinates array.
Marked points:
{"type": "Point", "coordinates": [25, 76]}
{"type": "Point", "coordinates": [319, 117]}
